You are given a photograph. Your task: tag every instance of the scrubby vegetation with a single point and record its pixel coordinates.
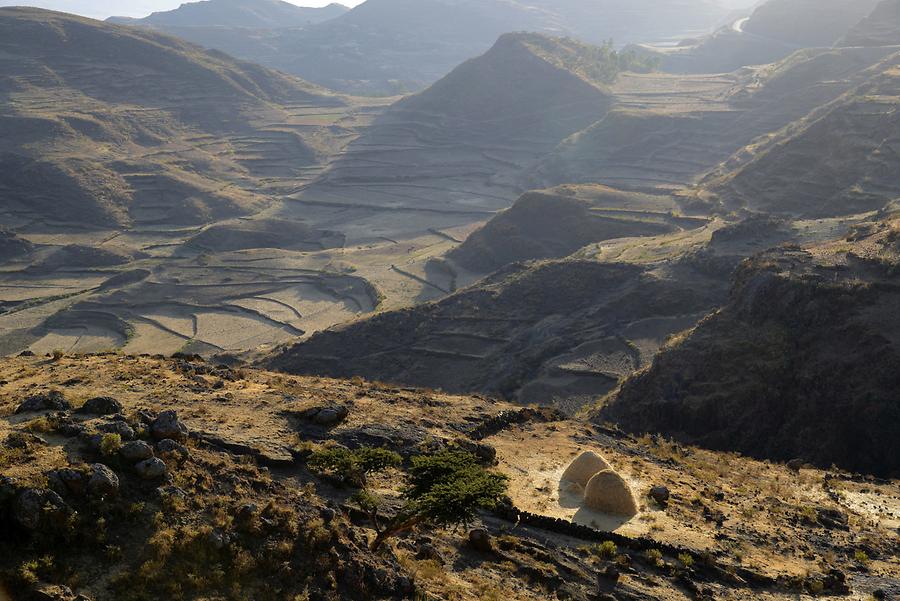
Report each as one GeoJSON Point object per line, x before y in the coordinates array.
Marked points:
{"type": "Point", "coordinates": [596, 63]}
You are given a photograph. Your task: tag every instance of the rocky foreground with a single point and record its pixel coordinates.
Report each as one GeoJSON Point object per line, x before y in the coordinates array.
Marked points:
{"type": "Point", "coordinates": [149, 477]}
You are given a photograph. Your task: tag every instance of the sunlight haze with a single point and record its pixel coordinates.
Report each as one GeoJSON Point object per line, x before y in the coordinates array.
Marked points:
{"type": "Point", "coordinates": [101, 9]}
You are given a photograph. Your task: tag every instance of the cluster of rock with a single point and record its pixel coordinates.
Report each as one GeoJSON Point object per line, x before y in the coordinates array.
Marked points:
{"type": "Point", "coordinates": [603, 488]}
{"type": "Point", "coordinates": [142, 446]}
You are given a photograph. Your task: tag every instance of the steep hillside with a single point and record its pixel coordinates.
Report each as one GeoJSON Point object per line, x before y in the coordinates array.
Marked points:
{"type": "Point", "coordinates": [881, 28]}
{"type": "Point", "coordinates": [11, 246]}
{"type": "Point", "coordinates": [775, 30]}
{"type": "Point", "coordinates": [838, 160]}
{"type": "Point", "coordinates": [560, 332]}
{"type": "Point", "coordinates": [554, 86]}
{"type": "Point", "coordinates": [251, 14]}
{"type": "Point", "coordinates": [555, 223]}
{"type": "Point", "coordinates": [668, 129]}
{"type": "Point", "coordinates": [394, 46]}
{"type": "Point", "coordinates": [488, 119]}
{"type": "Point", "coordinates": [187, 479]}
{"type": "Point", "coordinates": [807, 23]}
{"type": "Point", "coordinates": [799, 364]}
{"type": "Point", "coordinates": [94, 111]}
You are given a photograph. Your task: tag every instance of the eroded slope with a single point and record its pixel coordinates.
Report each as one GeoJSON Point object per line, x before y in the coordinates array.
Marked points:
{"type": "Point", "coordinates": [799, 363]}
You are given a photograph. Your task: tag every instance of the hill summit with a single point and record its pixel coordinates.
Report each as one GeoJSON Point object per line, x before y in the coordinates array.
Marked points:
{"type": "Point", "coordinates": [253, 14]}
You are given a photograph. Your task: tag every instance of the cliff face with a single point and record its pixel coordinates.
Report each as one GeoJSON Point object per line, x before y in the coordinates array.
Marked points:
{"type": "Point", "coordinates": [800, 364]}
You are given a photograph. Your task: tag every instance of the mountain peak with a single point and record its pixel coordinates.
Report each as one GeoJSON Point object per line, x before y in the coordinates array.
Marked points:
{"type": "Point", "coordinates": [253, 14]}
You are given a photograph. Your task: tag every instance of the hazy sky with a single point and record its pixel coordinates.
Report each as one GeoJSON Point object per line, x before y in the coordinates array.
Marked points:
{"type": "Point", "coordinates": [100, 9]}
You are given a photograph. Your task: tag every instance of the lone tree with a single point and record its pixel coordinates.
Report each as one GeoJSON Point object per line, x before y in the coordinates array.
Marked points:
{"type": "Point", "coordinates": [445, 489]}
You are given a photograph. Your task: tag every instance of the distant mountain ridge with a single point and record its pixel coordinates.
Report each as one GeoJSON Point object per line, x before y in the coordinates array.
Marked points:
{"type": "Point", "coordinates": [881, 28]}
{"type": "Point", "coordinates": [775, 30]}
{"type": "Point", "coordinates": [252, 14]}
{"type": "Point", "coordinates": [387, 47]}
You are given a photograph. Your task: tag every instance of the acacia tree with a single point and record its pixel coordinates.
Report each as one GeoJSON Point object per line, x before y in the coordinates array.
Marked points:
{"type": "Point", "coordinates": [446, 489]}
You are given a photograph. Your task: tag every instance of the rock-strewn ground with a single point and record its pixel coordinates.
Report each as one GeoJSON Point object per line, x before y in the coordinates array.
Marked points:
{"type": "Point", "coordinates": [209, 497]}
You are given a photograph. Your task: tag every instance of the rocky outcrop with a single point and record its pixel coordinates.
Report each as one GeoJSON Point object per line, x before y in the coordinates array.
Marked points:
{"type": "Point", "coordinates": [100, 406]}
{"type": "Point", "coordinates": [46, 401]}
{"type": "Point", "coordinates": [800, 363]}
{"type": "Point", "coordinates": [168, 426]}
{"type": "Point", "coordinates": [151, 469]}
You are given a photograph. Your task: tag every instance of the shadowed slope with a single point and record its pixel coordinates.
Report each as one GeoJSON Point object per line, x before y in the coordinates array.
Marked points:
{"type": "Point", "coordinates": [487, 120]}
{"type": "Point", "coordinates": [839, 160]}
{"type": "Point", "coordinates": [801, 362]}
{"type": "Point", "coordinates": [881, 28]}
{"type": "Point", "coordinates": [555, 223]}
{"type": "Point", "coordinates": [560, 332]}
{"type": "Point", "coordinates": [773, 31]}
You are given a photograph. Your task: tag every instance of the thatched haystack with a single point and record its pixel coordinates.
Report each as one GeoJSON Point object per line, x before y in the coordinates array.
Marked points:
{"type": "Point", "coordinates": [584, 467]}
{"type": "Point", "coordinates": [607, 492]}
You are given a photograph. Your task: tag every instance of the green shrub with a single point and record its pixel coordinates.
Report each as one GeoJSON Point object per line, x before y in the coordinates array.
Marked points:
{"type": "Point", "coordinates": [606, 550]}
{"type": "Point", "coordinates": [353, 466]}
{"type": "Point", "coordinates": [110, 444]}
{"type": "Point", "coordinates": [686, 559]}
{"type": "Point", "coordinates": [655, 557]}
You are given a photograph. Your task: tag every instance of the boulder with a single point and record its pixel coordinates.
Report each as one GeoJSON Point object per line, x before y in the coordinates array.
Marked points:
{"type": "Point", "coordinates": [151, 469]}
{"type": "Point", "coordinates": [331, 416]}
{"type": "Point", "coordinates": [35, 509]}
{"type": "Point", "coordinates": [427, 551]}
{"type": "Point", "coordinates": [832, 519]}
{"type": "Point", "coordinates": [48, 401]}
{"type": "Point", "coordinates": [136, 450]}
{"type": "Point", "coordinates": [171, 448]}
{"type": "Point", "coordinates": [101, 405]}
{"type": "Point", "coordinates": [23, 440]}
{"type": "Point", "coordinates": [485, 452]}
{"type": "Point", "coordinates": [68, 481]}
{"type": "Point", "coordinates": [121, 428]}
{"type": "Point", "coordinates": [167, 425]}
{"type": "Point", "coordinates": [607, 492]}
{"type": "Point", "coordinates": [584, 467]}
{"type": "Point", "coordinates": [103, 482]}
{"type": "Point", "coordinates": [660, 494]}
{"type": "Point", "coordinates": [480, 540]}
{"type": "Point", "coordinates": [607, 580]}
